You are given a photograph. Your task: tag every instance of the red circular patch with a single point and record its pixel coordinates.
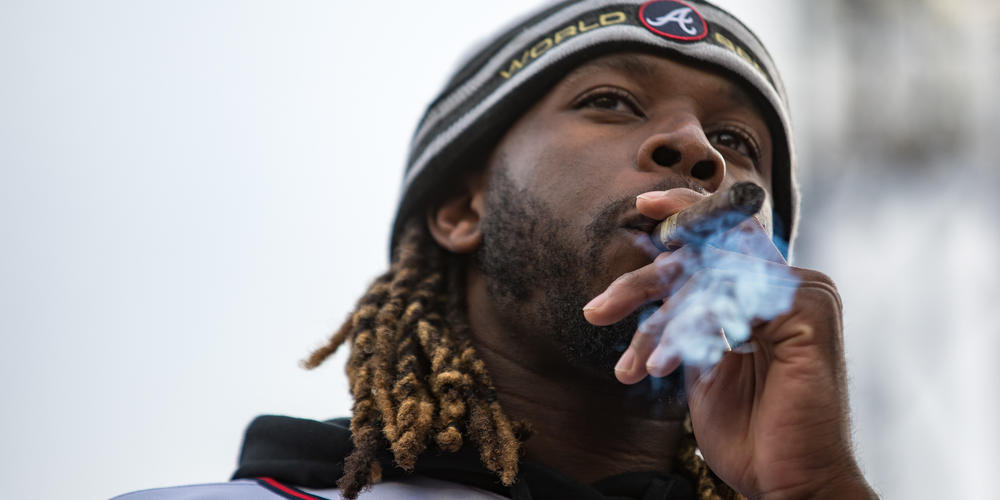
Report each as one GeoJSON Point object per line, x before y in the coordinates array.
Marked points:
{"type": "Point", "coordinates": [674, 20]}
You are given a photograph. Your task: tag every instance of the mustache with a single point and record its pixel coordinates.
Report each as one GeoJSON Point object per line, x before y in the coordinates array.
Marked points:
{"type": "Point", "coordinates": [609, 215]}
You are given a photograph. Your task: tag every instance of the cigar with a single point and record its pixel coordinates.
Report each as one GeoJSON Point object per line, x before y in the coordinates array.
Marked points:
{"type": "Point", "coordinates": [713, 215]}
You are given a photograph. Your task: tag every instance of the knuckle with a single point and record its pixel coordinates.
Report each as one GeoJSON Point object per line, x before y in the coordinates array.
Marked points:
{"type": "Point", "coordinates": [663, 258]}
{"type": "Point", "coordinates": [625, 279]}
{"type": "Point", "coordinates": [819, 286]}
{"type": "Point", "coordinates": [812, 275]}
{"type": "Point", "coordinates": [667, 269]}
{"type": "Point", "coordinates": [648, 331]}
{"type": "Point", "coordinates": [646, 286]}
{"type": "Point", "coordinates": [820, 296]}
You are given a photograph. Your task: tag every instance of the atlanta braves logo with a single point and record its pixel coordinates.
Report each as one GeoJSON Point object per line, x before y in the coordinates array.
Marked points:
{"type": "Point", "coordinates": [676, 20]}
{"type": "Point", "coordinates": [681, 16]}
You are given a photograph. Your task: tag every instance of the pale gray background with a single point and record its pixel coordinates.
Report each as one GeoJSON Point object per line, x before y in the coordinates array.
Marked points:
{"type": "Point", "coordinates": [193, 194]}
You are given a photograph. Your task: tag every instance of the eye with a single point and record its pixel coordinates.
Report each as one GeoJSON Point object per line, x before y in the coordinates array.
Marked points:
{"type": "Point", "coordinates": [737, 140]}
{"type": "Point", "coordinates": [609, 99]}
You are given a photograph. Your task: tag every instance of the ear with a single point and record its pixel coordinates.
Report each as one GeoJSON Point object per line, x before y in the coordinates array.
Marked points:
{"type": "Point", "coordinates": [454, 223]}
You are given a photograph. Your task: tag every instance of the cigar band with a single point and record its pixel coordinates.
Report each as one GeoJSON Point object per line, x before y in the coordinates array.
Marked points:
{"type": "Point", "coordinates": [668, 229]}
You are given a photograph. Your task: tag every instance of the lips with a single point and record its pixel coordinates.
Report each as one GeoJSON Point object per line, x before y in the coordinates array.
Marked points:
{"type": "Point", "coordinates": [639, 222]}
{"type": "Point", "coordinates": [639, 227]}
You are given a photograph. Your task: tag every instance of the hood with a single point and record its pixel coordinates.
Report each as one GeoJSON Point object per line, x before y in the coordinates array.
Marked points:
{"type": "Point", "coordinates": [311, 453]}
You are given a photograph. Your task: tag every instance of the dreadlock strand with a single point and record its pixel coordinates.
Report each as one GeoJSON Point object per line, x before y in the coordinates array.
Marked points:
{"type": "Point", "coordinates": [415, 413]}
{"type": "Point", "coordinates": [392, 404]}
{"type": "Point", "coordinates": [493, 428]}
{"type": "Point", "coordinates": [365, 309]}
{"type": "Point", "coordinates": [382, 394]}
{"type": "Point", "coordinates": [508, 445]}
{"type": "Point", "coordinates": [447, 385]}
{"type": "Point", "coordinates": [479, 423]}
{"type": "Point", "coordinates": [499, 443]}
{"type": "Point", "coordinates": [318, 356]}
{"type": "Point", "coordinates": [483, 433]}
{"type": "Point", "coordinates": [361, 466]}
{"type": "Point", "coordinates": [388, 334]}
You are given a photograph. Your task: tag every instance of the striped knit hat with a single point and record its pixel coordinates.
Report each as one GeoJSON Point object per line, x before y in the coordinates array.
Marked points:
{"type": "Point", "coordinates": [512, 70]}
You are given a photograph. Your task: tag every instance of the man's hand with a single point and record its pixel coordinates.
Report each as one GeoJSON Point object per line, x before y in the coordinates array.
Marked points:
{"type": "Point", "coordinates": [771, 418]}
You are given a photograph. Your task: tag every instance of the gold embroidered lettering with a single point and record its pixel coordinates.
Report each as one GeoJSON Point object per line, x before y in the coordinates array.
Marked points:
{"type": "Point", "coordinates": [515, 65]}
{"type": "Point", "coordinates": [564, 34]}
{"type": "Point", "coordinates": [541, 47]}
{"type": "Point", "coordinates": [725, 41]}
{"type": "Point", "coordinates": [583, 27]}
{"type": "Point", "coordinates": [612, 18]}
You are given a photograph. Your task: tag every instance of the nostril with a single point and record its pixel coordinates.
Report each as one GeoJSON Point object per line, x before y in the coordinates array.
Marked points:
{"type": "Point", "coordinates": [703, 170]}
{"type": "Point", "coordinates": [665, 157]}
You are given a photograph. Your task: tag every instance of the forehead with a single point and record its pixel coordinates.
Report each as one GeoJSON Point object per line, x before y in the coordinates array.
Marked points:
{"type": "Point", "coordinates": [663, 74]}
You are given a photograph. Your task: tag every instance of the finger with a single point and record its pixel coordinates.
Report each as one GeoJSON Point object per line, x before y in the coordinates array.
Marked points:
{"type": "Point", "coordinates": [633, 289]}
{"type": "Point", "coordinates": [662, 204]}
{"type": "Point", "coordinates": [666, 357]}
{"type": "Point", "coordinates": [631, 368]}
{"type": "Point", "coordinates": [689, 332]}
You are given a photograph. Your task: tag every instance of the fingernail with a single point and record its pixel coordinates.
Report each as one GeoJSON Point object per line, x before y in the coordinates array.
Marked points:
{"type": "Point", "coordinates": [656, 361]}
{"type": "Point", "coordinates": [625, 363]}
{"type": "Point", "coordinates": [652, 195]}
{"type": "Point", "coordinates": [596, 303]}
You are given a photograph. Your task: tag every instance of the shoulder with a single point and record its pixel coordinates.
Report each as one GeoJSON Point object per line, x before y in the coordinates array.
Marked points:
{"type": "Point", "coordinates": [413, 487]}
{"type": "Point", "coordinates": [249, 489]}
{"type": "Point", "coordinates": [420, 488]}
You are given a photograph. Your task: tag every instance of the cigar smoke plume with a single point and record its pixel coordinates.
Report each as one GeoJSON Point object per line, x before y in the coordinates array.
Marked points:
{"type": "Point", "coordinates": [726, 290]}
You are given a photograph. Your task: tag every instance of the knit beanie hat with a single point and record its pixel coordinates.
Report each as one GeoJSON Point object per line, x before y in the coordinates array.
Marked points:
{"type": "Point", "coordinates": [503, 77]}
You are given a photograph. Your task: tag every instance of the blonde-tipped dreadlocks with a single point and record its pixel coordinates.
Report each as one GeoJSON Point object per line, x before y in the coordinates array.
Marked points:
{"type": "Point", "coordinates": [417, 380]}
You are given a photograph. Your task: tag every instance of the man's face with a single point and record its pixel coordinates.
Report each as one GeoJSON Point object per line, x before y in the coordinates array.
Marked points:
{"type": "Point", "coordinates": [560, 222]}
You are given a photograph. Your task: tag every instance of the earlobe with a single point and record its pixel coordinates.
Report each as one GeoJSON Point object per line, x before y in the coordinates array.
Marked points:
{"type": "Point", "coordinates": [454, 224]}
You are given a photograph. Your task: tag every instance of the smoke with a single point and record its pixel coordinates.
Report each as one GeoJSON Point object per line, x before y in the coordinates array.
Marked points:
{"type": "Point", "coordinates": [728, 282]}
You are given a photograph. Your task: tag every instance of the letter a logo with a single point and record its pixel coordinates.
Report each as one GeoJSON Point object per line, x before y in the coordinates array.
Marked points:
{"type": "Point", "coordinates": [681, 16]}
{"type": "Point", "coordinates": [674, 20]}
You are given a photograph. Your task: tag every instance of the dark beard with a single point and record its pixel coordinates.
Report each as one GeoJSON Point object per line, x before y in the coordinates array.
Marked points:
{"type": "Point", "coordinates": [527, 254]}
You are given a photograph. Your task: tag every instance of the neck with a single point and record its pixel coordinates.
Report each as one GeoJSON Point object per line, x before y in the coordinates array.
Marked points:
{"type": "Point", "coordinates": [584, 424]}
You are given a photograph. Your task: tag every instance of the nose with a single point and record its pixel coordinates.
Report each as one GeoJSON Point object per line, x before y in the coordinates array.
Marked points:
{"type": "Point", "coordinates": [686, 150]}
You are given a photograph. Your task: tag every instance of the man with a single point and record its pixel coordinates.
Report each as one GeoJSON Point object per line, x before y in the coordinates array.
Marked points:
{"type": "Point", "coordinates": [502, 354]}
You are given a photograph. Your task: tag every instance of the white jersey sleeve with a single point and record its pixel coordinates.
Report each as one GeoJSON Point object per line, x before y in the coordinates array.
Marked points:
{"type": "Point", "coordinates": [411, 488]}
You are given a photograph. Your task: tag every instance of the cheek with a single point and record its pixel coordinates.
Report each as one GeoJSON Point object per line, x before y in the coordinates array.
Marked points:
{"type": "Point", "coordinates": [564, 169]}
